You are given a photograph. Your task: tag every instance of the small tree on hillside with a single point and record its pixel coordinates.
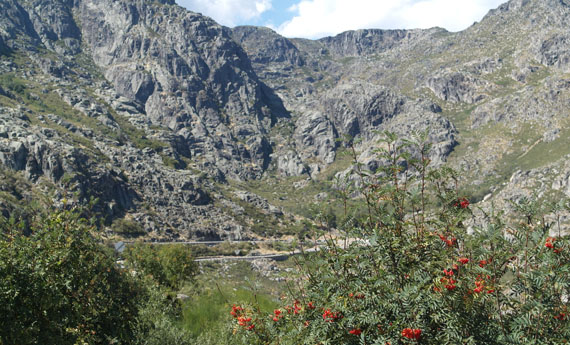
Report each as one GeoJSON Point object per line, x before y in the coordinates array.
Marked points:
{"type": "Point", "coordinates": [413, 274]}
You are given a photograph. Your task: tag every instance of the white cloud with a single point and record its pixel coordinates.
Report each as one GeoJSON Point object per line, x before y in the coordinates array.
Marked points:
{"type": "Point", "coordinates": [293, 8]}
{"type": "Point", "coordinates": [228, 12]}
{"type": "Point", "coordinates": [318, 18]}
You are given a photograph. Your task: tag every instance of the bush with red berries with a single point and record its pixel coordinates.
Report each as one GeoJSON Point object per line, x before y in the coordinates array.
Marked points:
{"type": "Point", "coordinates": [412, 273]}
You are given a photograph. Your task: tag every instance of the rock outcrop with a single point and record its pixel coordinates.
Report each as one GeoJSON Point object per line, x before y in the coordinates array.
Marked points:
{"type": "Point", "coordinates": [365, 42]}
{"type": "Point", "coordinates": [162, 114]}
{"type": "Point", "coordinates": [265, 45]}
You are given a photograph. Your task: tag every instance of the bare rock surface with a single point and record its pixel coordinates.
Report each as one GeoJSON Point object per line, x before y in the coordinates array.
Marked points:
{"type": "Point", "coordinates": [160, 112]}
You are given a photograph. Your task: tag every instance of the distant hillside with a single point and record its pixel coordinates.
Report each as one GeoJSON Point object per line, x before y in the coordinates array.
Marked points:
{"type": "Point", "coordinates": [183, 128]}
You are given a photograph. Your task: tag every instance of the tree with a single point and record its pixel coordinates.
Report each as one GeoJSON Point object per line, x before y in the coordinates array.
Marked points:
{"type": "Point", "coordinates": [169, 265]}
{"type": "Point", "coordinates": [59, 286]}
{"type": "Point", "coordinates": [411, 273]}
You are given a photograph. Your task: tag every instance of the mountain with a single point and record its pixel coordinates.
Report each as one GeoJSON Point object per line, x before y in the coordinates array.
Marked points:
{"type": "Point", "coordinates": [182, 128]}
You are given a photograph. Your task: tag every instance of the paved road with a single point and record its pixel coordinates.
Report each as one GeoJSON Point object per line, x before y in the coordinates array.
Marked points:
{"type": "Point", "coordinates": [210, 242]}
{"type": "Point", "coordinates": [277, 257]}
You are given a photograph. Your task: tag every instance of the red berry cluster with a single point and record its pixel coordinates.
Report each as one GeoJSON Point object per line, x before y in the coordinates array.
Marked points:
{"type": "Point", "coordinates": [484, 263]}
{"type": "Point", "coordinates": [238, 313]}
{"type": "Point", "coordinates": [277, 314]}
{"type": "Point", "coordinates": [295, 309]}
{"type": "Point", "coordinates": [330, 316]}
{"type": "Point", "coordinates": [355, 331]}
{"type": "Point", "coordinates": [410, 333]}
{"type": "Point", "coordinates": [246, 323]}
{"type": "Point", "coordinates": [550, 244]}
{"type": "Point", "coordinates": [463, 261]}
{"type": "Point", "coordinates": [310, 305]}
{"type": "Point", "coordinates": [480, 285]}
{"type": "Point", "coordinates": [461, 203]}
{"type": "Point", "coordinates": [449, 282]}
{"type": "Point", "coordinates": [356, 296]}
{"type": "Point", "coordinates": [449, 241]}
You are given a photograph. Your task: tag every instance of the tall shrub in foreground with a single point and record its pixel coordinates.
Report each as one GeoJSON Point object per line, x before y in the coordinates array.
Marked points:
{"type": "Point", "coordinates": [59, 285]}
{"type": "Point", "coordinates": [411, 273]}
{"type": "Point", "coordinates": [169, 265]}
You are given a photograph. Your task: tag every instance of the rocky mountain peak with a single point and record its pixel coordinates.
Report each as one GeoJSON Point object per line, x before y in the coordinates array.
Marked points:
{"type": "Point", "coordinates": [365, 42]}
{"type": "Point", "coordinates": [548, 9]}
{"type": "Point", "coordinates": [264, 45]}
{"type": "Point", "coordinates": [170, 118]}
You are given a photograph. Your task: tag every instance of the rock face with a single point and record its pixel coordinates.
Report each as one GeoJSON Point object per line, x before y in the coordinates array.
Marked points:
{"type": "Point", "coordinates": [364, 42]}
{"type": "Point", "coordinates": [53, 22]}
{"type": "Point", "coordinates": [290, 164]}
{"type": "Point", "coordinates": [456, 87]}
{"type": "Point", "coordinates": [316, 135]}
{"type": "Point", "coordinates": [265, 46]}
{"type": "Point", "coordinates": [189, 75]}
{"type": "Point", "coordinates": [44, 154]}
{"type": "Point", "coordinates": [258, 202]}
{"type": "Point", "coordinates": [155, 88]}
{"type": "Point", "coordinates": [554, 52]}
{"type": "Point", "coordinates": [160, 112]}
{"type": "Point", "coordinates": [15, 23]}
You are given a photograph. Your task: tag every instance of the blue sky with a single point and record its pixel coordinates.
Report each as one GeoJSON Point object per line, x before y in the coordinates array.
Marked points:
{"type": "Point", "coordinates": [319, 18]}
{"type": "Point", "coordinates": [275, 16]}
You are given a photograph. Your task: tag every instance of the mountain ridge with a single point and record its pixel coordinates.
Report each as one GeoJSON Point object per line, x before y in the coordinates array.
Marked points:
{"type": "Point", "coordinates": [169, 118]}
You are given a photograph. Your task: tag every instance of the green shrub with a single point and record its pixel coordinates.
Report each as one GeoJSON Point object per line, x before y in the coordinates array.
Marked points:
{"type": "Point", "coordinates": [411, 273]}
{"type": "Point", "coordinates": [59, 286]}
{"type": "Point", "coordinates": [169, 265]}
{"type": "Point", "coordinates": [127, 227]}
{"type": "Point", "coordinates": [209, 309]}
{"type": "Point", "coordinates": [13, 83]}
{"type": "Point", "coordinates": [158, 320]}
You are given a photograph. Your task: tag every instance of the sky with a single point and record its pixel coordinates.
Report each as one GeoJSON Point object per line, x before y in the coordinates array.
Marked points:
{"type": "Point", "coordinates": [320, 18]}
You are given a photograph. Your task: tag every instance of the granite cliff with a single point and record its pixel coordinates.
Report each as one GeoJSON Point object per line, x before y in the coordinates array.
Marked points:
{"type": "Point", "coordinates": [182, 128]}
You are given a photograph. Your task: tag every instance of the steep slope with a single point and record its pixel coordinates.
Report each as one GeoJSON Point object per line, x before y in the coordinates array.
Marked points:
{"type": "Point", "coordinates": [189, 76]}
{"type": "Point", "coordinates": [134, 103]}
{"type": "Point", "coordinates": [174, 122]}
{"type": "Point", "coordinates": [491, 91]}
{"type": "Point", "coordinates": [329, 97]}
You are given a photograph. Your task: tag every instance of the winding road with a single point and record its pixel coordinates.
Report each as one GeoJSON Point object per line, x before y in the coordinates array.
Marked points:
{"type": "Point", "coordinates": [119, 246]}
